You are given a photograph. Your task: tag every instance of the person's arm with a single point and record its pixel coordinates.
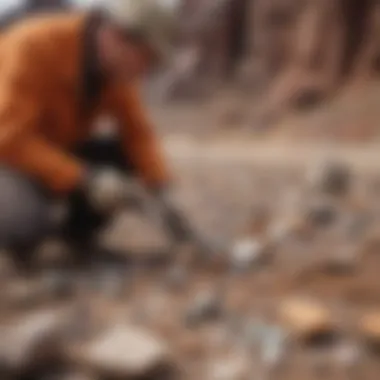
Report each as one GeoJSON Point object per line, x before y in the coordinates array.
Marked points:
{"type": "Point", "coordinates": [21, 146]}
{"type": "Point", "coordinates": [140, 142]}
{"type": "Point", "coordinates": [142, 147]}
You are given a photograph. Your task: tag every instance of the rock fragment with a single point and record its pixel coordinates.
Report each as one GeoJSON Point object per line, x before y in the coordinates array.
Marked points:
{"type": "Point", "coordinates": [58, 284]}
{"type": "Point", "coordinates": [369, 327]}
{"type": "Point", "coordinates": [321, 213]}
{"type": "Point", "coordinates": [206, 306]}
{"type": "Point", "coordinates": [342, 260]}
{"type": "Point", "coordinates": [177, 277]}
{"type": "Point", "coordinates": [53, 253]}
{"type": "Point", "coordinates": [32, 342]}
{"type": "Point", "coordinates": [348, 356]}
{"type": "Point", "coordinates": [124, 352]}
{"type": "Point", "coordinates": [7, 268]}
{"type": "Point", "coordinates": [306, 319]}
{"type": "Point", "coordinates": [330, 177]}
{"type": "Point", "coordinates": [233, 367]}
{"type": "Point", "coordinates": [21, 294]}
{"type": "Point", "coordinates": [247, 253]}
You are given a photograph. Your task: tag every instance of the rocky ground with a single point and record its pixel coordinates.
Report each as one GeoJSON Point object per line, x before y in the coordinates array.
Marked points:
{"type": "Point", "coordinates": [294, 295]}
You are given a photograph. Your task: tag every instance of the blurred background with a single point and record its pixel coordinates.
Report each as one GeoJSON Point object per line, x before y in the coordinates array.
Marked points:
{"type": "Point", "coordinates": [269, 119]}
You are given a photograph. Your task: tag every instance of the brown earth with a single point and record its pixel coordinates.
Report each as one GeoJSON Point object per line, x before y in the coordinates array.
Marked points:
{"type": "Point", "coordinates": [223, 185]}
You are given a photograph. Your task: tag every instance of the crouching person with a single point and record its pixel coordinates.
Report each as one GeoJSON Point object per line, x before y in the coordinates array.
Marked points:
{"type": "Point", "coordinates": [58, 73]}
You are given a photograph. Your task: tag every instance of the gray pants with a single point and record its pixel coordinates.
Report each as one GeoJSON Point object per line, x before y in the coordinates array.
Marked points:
{"type": "Point", "coordinates": [24, 211]}
{"type": "Point", "coordinates": [25, 208]}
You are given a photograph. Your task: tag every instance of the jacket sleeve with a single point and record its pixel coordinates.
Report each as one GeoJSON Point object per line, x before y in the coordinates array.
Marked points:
{"type": "Point", "coordinates": [140, 142]}
{"type": "Point", "coordinates": [21, 145]}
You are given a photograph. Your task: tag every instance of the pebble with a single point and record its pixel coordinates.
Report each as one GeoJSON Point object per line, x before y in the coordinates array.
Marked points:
{"type": "Point", "coordinates": [348, 355]}
{"type": "Point", "coordinates": [22, 294]}
{"type": "Point", "coordinates": [247, 253]}
{"type": "Point", "coordinates": [124, 352]}
{"type": "Point", "coordinates": [52, 254]}
{"type": "Point", "coordinates": [321, 214]}
{"type": "Point", "coordinates": [306, 318]}
{"type": "Point", "coordinates": [281, 230]}
{"type": "Point", "coordinates": [69, 375]}
{"type": "Point", "coordinates": [7, 268]}
{"type": "Point", "coordinates": [369, 327]}
{"type": "Point", "coordinates": [344, 259]}
{"type": "Point", "coordinates": [234, 367]}
{"type": "Point", "coordinates": [330, 177]}
{"type": "Point", "coordinates": [110, 283]}
{"type": "Point", "coordinates": [176, 278]}
{"type": "Point", "coordinates": [270, 339]}
{"type": "Point", "coordinates": [205, 307]}
{"type": "Point", "coordinates": [33, 341]}
{"type": "Point", "coordinates": [254, 332]}
{"type": "Point", "coordinates": [58, 285]}
{"type": "Point", "coordinates": [357, 226]}
{"type": "Point", "coordinates": [273, 347]}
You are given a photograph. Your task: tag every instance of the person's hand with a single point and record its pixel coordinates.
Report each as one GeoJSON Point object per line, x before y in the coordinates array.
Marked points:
{"type": "Point", "coordinates": [108, 190]}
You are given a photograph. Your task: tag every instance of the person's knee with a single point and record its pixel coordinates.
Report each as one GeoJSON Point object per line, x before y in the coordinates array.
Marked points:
{"type": "Point", "coordinates": [24, 213]}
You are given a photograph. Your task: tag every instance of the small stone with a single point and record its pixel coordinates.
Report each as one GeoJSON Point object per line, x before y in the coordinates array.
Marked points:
{"type": "Point", "coordinates": [232, 117]}
{"type": "Point", "coordinates": [371, 239]}
{"type": "Point", "coordinates": [234, 367]}
{"type": "Point", "coordinates": [357, 226]}
{"type": "Point", "coordinates": [254, 332]}
{"type": "Point", "coordinates": [247, 253]}
{"type": "Point", "coordinates": [7, 268]}
{"type": "Point", "coordinates": [273, 346]}
{"type": "Point", "coordinates": [52, 254]}
{"type": "Point", "coordinates": [20, 294]}
{"type": "Point", "coordinates": [330, 177]}
{"type": "Point", "coordinates": [369, 327]}
{"type": "Point", "coordinates": [348, 356]}
{"type": "Point", "coordinates": [177, 277]}
{"type": "Point", "coordinates": [289, 227]}
{"type": "Point", "coordinates": [320, 363]}
{"type": "Point", "coordinates": [32, 342]}
{"type": "Point", "coordinates": [306, 319]}
{"type": "Point", "coordinates": [124, 352]}
{"type": "Point", "coordinates": [192, 346]}
{"type": "Point", "coordinates": [344, 259]}
{"type": "Point", "coordinates": [69, 376]}
{"type": "Point", "coordinates": [58, 284]}
{"type": "Point", "coordinates": [280, 231]}
{"type": "Point", "coordinates": [259, 220]}
{"type": "Point", "coordinates": [206, 307]}
{"type": "Point", "coordinates": [110, 283]}
{"type": "Point", "coordinates": [321, 214]}
{"type": "Point", "coordinates": [218, 336]}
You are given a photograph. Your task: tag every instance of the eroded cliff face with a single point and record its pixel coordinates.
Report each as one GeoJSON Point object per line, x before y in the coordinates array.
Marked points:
{"type": "Point", "coordinates": [295, 52]}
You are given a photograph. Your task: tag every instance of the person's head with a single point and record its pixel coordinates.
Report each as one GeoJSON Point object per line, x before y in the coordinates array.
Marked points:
{"type": "Point", "coordinates": [135, 36]}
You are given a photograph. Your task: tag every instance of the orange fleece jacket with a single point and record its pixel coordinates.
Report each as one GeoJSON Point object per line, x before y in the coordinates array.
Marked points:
{"type": "Point", "coordinates": [41, 119]}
